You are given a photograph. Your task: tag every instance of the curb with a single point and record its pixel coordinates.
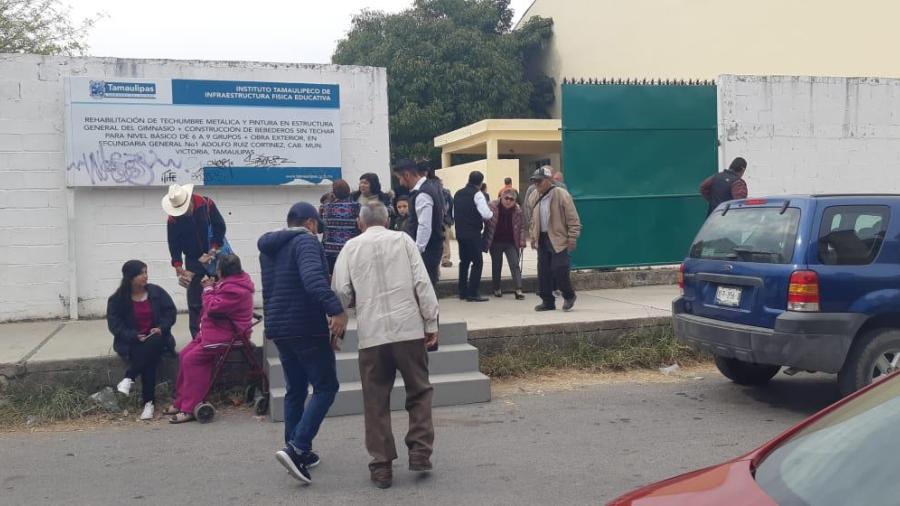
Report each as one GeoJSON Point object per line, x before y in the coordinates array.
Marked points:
{"type": "Point", "coordinates": [97, 372]}
{"type": "Point", "coordinates": [581, 281]}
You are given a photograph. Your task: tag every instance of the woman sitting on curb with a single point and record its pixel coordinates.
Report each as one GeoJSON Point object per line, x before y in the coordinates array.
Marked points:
{"type": "Point", "coordinates": [140, 317]}
{"type": "Point", "coordinates": [227, 309]}
{"type": "Point", "coordinates": [504, 235]}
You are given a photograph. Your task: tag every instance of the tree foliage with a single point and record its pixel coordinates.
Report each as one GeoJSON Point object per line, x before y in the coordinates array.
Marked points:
{"type": "Point", "coordinates": [450, 63]}
{"type": "Point", "coordinates": [41, 27]}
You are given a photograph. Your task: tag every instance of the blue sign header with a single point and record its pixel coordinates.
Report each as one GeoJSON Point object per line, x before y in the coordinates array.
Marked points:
{"type": "Point", "coordinates": [255, 94]}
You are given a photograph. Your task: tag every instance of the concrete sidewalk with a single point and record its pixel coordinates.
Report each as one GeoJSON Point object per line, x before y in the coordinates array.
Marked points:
{"type": "Point", "coordinates": [529, 266]}
{"type": "Point", "coordinates": [34, 343]}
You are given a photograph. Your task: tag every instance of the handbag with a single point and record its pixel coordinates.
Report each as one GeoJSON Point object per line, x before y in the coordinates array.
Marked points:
{"type": "Point", "coordinates": [225, 249]}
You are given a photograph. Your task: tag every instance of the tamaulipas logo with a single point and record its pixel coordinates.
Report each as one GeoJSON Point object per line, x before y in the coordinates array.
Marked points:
{"type": "Point", "coordinates": [110, 89]}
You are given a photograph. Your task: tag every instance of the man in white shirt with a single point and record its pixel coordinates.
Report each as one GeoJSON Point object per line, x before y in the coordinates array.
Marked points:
{"type": "Point", "coordinates": [470, 210]}
{"type": "Point", "coordinates": [382, 272]}
{"type": "Point", "coordinates": [426, 215]}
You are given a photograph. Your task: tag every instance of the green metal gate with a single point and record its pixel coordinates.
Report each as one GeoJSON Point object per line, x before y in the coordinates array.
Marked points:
{"type": "Point", "coordinates": [634, 156]}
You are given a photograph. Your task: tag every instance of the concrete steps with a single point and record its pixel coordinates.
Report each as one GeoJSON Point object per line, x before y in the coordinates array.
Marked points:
{"type": "Point", "coordinates": [453, 371]}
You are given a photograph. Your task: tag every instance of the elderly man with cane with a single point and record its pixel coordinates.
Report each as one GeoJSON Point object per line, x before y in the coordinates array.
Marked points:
{"type": "Point", "coordinates": [382, 272]}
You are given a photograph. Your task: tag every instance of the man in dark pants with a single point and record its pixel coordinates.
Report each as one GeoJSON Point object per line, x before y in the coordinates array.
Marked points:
{"type": "Point", "coordinates": [426, 215]}
{"type": "Point", "coordinates": [471, 211]}
{"type": "Point", "coordinates": [726, 185]}
{"type": "Point", "coordinates": [555, 227]}
{"type": "Point", "coordinates": [188, 230]}
{"type": "Point", "coordinates": [304, 318]}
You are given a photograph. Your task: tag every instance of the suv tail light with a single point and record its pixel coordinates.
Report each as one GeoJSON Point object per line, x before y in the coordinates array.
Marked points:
{"type": "Point", "coordinates": [680, 278]}
{"type": "Point", "coordinates": [803, 292]}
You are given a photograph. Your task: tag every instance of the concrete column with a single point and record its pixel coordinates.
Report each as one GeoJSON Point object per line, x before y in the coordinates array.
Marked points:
{"type": "Point", "coordinates": [445, 159]}
{"type": "Point", "coordinates": [493, 149]}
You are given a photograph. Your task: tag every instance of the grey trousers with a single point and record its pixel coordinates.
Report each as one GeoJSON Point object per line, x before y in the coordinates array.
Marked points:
{"type": "Point", "coordinates": [512, 258]}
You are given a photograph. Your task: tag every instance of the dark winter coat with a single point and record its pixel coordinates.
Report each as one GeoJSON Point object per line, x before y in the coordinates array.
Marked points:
{"type": "Point", "coordinates": [297, 295]}
{"type": "Point", "coordinates": [188, 235]}
{"type": "Point", "coordinates": [121, 323]}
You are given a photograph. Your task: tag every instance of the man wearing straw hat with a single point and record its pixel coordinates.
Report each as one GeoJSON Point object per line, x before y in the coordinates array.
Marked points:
{"type": "Point", "coordinates": [196, 231]}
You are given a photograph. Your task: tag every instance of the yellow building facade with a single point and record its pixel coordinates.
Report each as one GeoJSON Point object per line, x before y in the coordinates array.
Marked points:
{"type": "Point", "coordinates": [506, 148]}
{"type": "Point", "coordinates": [706, 38]}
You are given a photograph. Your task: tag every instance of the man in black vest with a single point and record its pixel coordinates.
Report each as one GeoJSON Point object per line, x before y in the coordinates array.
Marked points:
{"type": "Point", "coordinates": [726, 185]}
{"type": "Point", "coordinates": [470, 210]}
{"type": "Point", "coordinates": [426, 215]}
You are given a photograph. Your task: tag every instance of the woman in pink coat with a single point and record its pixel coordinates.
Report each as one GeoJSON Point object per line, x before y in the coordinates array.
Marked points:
{"type": "Point", "coordinates": [227, 308]}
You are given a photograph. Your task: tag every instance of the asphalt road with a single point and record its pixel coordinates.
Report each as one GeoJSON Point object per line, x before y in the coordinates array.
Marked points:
{"type": "Point", "coordinates": [576, 447]}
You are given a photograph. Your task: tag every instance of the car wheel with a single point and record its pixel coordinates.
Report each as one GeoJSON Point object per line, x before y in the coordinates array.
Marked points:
{"type": "Point", "coordinates": [746, 373]}
{"type": "Point", "coordinates": [872, 358]}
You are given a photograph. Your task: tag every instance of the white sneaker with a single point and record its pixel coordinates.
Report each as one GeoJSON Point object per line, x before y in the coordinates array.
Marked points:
{"type": "Point", "coordinates": [124, 386]}
{"type": "Point", "coordinates": [148, 411]}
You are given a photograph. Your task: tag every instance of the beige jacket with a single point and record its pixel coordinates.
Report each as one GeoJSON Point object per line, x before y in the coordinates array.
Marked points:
{"type": "Point", "coordinates": [565, 225]}
{"type": "Point", "coordinates": [382, 270]}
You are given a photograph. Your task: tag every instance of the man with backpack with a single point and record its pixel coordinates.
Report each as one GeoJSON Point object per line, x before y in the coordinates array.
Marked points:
{"type": "Point", "coordinates": [428, 172]}
{"type": "Point", "coordinates": [426, 218]}
{"type": "Point", "coordinates": [726, 185]}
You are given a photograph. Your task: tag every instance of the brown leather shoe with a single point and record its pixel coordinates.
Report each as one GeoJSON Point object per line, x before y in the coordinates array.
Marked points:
{"type": "Point", "coordinates": [382, 477]}
{"type": "Point", "coordinates": [420, 464]}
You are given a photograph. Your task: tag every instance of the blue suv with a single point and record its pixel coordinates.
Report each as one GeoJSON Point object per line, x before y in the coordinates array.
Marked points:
{"type": "Point", "coordinates": [807, 282]}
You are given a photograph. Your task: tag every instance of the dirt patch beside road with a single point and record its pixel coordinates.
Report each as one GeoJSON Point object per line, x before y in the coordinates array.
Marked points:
{"type": "Point", "coordinates": [573, 379]}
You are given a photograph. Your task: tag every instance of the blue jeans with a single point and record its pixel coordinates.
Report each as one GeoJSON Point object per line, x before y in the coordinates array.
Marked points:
{"type": "Point", "coordinates": [306, 362]}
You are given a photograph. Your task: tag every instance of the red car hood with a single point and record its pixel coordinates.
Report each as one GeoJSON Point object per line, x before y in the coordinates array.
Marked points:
{"type": "Point", "coordinates": [731, 483]}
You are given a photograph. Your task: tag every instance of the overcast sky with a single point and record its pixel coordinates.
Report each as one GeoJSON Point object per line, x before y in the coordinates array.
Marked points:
{"type": "Point", "coordinates": [303, 31]}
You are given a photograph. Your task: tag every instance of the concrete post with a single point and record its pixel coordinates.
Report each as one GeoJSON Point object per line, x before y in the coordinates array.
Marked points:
{"type": "Point", "coordinates": [446, 159]}
{"type": "Point", "coordinates": [493, 149]}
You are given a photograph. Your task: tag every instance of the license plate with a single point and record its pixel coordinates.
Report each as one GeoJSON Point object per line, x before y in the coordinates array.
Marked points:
{"type": "Point", "coordinates": [728, 296]}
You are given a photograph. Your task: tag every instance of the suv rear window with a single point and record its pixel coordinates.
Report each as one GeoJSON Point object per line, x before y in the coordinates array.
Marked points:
{"type": "Point", "coordinates": [751, 234]}
{"type": "Point", "coordinates": [852, 235]}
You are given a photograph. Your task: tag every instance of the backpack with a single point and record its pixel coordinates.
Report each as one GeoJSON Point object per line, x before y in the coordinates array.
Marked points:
{"type": "Point", "coordinates": [448, 207]}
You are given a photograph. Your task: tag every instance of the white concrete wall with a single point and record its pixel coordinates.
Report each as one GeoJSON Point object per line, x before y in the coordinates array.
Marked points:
{"type": "Point", "coordinates": [113, 225]}
{"type": "Point", "coordinates": [812, 134]}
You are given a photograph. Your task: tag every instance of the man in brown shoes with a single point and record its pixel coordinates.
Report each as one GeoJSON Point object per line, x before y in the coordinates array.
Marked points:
{"type": "Point", "coordinates": [382, 272]}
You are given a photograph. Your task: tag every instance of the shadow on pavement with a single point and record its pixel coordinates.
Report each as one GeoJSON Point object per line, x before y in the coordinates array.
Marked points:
{"type": "Point", "coordinates": [804, 394]}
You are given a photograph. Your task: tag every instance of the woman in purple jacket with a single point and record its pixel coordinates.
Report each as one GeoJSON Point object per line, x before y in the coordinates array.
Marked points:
{"type": "Point", "coordinates": [504, 235]}
{"type": "Point", "coordinates": [227, 309]}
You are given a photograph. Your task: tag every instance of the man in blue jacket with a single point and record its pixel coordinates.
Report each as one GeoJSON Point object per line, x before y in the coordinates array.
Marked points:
{"type": "Point", "coordinates": [304, 318]}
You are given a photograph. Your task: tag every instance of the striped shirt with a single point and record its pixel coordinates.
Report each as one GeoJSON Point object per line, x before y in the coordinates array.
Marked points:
{"type": "Point", "coordinates": [340, 225]}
